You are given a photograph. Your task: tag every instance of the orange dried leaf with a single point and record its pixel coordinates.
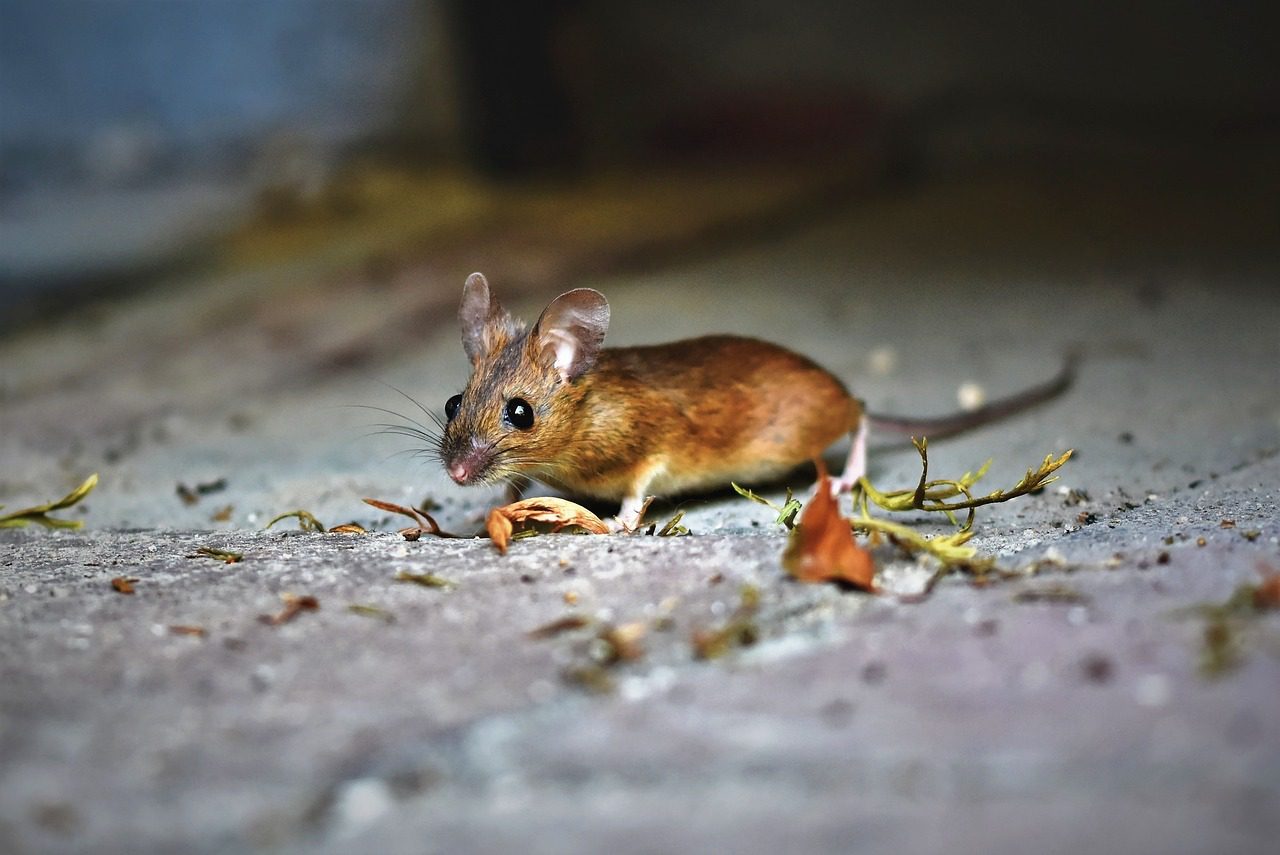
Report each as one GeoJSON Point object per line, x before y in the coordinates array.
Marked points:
{"type": "Point", "coordinates": [348, 528]}
{"type": "Point", "coordinates": [500, 528]}
{"type": "Point", "coordinates": [185, 629]}
{"type": "Point", "coordinates": [822, 548]}
{"type": "Point", "coordinates": [1267, 594]}
{"type": "Point", "coordinates": [123, 584]}
{"type": "Point", "coordinates": [426, 523]}
{"type": "Point", "coordinates": [558, 513]}
{"type": "Point", "coordinates": [294, 604]}
{"type": "Point", "coordinates": [559, 625]}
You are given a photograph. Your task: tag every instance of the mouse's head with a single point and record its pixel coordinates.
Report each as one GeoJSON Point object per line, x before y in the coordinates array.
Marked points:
{"type": "Point", "coordinates": [512, 416]}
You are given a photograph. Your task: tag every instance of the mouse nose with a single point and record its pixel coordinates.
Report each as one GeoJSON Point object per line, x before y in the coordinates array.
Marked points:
{"type": "Point", "coordinates": [470, 465]}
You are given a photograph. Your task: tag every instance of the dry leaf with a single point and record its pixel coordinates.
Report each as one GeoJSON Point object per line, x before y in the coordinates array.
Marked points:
{"type": "Point", "coordinates": [348, 528]}
{"type": "Point", "coordinates": [371, 612]}
{"type": "Point", "coordinates": [822, 548]}
{"type": "Point", "coordinates": [740, 630]}
{"type": "Point", "coordinates": [223, 555]}
{"type": "Point", "coordinates": [40, 513]}
{"type": "Point", "coordinates": [425, 522]}
{"type": "Point", "coordinates": [622, 643]}
{"type": "Point", "coordinates": [559, 625]}
{"type": "Point", "coordinates": [1267, 594]}
{"type": "Point", "coordinates": [426, 580]}
{"type": "Point", "coordinates": [294, 604]}
{"type": "Point", "coordinates": [184, 629]}
{"type": "Point", "coordinates": [306, 521]}
{"type": "Point", "coordinates": [499, 527]}
{"type": "Point", "coordinates": [123, 584]}
{"type": "Point", "coordinates": [190, 496]}
{"type": "Point", "coordinates": [559, 513]}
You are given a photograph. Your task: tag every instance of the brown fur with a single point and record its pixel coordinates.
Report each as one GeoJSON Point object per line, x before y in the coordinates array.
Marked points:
{"type": "Point", "coordinates": [689, 415]}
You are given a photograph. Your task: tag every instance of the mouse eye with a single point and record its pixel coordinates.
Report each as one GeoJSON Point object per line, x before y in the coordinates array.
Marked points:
{"type": "Point", "coordinates": [451, 407]}
{"type": "Point", "coordinates": [519, 413]}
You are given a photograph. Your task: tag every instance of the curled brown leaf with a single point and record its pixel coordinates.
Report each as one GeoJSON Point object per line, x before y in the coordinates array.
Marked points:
{"type": "Point", "coordinates": [558, 513]}
{"type": "Point", "coordinates": [1267, 594]}
{"type": "Point", "coordinates": [294, 605]}
{"type": "Point", "coordinates": [500, 528]}
{"type": "Point", "coordinates": [822, 548]}
{"type": "Point", "coordinates": [560, 625]}
{"type": "Point", "coordinates": [426, 524]}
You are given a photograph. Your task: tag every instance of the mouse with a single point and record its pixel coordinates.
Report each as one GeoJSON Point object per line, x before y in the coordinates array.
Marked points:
{"type": "Point", "coordinates": [551, 403]}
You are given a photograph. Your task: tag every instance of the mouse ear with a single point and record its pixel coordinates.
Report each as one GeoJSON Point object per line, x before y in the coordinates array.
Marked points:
{"type": "Point", "coordinates": [570, 332]}
{"type": "Point", "coordinates": [481, 316]}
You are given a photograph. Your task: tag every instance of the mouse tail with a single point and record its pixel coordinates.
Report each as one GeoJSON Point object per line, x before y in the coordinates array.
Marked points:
{"type": "Point", "coordinates": [950, 425]}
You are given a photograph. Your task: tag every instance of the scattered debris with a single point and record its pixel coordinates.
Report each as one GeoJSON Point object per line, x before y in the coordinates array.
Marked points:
{"type": "Point", "coordinates": [1231, 625]}
{"type": "Point", "coordinates": [306, 521]}
{"type": "Point", "coordinates": [874, 672]}
{"type": "Point", "coordinates": [822, 548]}
{"type": "Point", "coordinates": [611, 645]}
{"type": "Point", "coordinates": [1051, 594]}
{"type": "Point", "coordinates": [950, 550]}
{"type": "Point", "coordinates": [568, 623]}
{"type": "Point", "coordinates": [349, 528]}
{"type": "Point", "coordinates": [371, 612]}
{"type": "Point", "coordinates": [1267, 594]}
{"type": "Point", "coordinates": [223, 514]}
{"type": "Point", "coordinates": [593, 678]}
{"type": "Point", "coordinates": [559, 513]}
{"type": "Point", "coordinates": [190, 496]}
{"type": "Point", "coordinates": [223, 555]}
{"type": "Point", "coordinates": [740, 630]}
{"type": "Point", "coordinates": [932, 496]}
{"type": "Point", "coordinates": [1075, 497]}
{"type": "Point", "coordinates": [187, 629]}
{"type": "Point", "coordinates": [673, 527]}
{"type": "Point", "coordinates": [426, 580]}
{"type": "Point", "coordinates": [40, 513]}
{"type": "Point", "coordinates": [294, 605]}
{"type": "Point", "coordinates": [786, 513]}
{"type": "Point", "coordinates": [619, 643]}
{"type": "Point", "coordinates": [123, 584]}
{"type": "Point", "coordinates": [1097, 668]}
{"type": "Point", "coordinates": [426, 524]}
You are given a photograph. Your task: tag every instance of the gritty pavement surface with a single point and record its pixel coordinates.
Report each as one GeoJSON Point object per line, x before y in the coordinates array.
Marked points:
{"type": "Point", "coordinates": [1084, 701]}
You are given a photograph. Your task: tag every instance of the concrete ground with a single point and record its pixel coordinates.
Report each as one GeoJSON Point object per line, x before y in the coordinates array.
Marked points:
{"type": "Point", "coordinates": [1082, 702]}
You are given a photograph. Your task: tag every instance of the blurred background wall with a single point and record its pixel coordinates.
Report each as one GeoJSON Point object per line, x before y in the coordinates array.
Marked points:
{"type": "Point", "coordinates": [134, 133]}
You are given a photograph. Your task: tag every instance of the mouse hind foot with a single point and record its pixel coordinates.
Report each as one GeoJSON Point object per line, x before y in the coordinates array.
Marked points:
{"type": "Point", "coordinates": [856, 466]}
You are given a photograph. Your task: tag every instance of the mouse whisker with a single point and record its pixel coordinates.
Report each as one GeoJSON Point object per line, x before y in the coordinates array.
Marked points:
{"type": "Point", "coordinates": [429, 413]}
{"type": "Point", "coordinates": [420, 441]}
{"type": "Point", "coordinates": [435, 419]}
{"type": "Point", "coordinates": [408, 430]}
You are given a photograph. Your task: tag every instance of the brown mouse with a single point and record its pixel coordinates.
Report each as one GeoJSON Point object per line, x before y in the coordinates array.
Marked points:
{"type": "Point", "coordinates": [550, 403]}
